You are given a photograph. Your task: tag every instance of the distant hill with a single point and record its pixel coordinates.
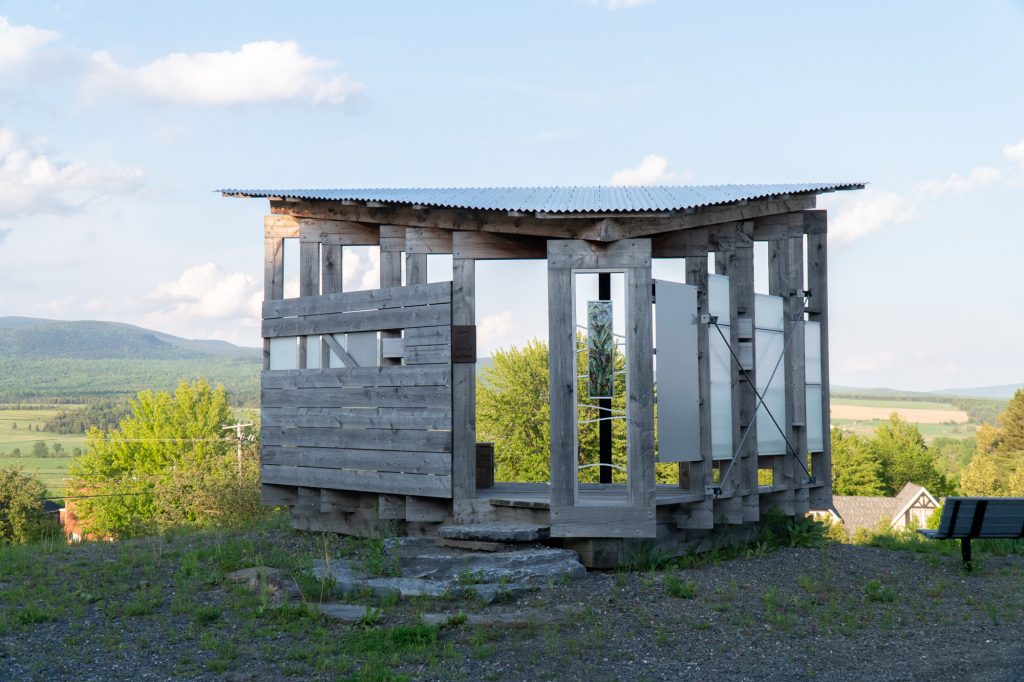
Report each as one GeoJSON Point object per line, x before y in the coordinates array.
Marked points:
{"type": "Point", "coordinates": [1004, 392]}
{"type": "Point", "coordinates": [47, 359]}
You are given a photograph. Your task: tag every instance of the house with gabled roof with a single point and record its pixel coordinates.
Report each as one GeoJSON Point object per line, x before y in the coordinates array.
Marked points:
{"type": "Point", "coordinates": [909, 508]}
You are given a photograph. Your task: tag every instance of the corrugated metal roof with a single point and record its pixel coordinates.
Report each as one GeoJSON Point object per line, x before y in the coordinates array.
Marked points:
{"type": "Point", "coordinates": [558, 199]}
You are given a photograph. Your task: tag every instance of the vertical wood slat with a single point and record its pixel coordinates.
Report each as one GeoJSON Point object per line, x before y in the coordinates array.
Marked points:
{"type": "Point", "coordinates": [273, 280]}
{"type": "Point", "coordinates": [817, 282]}
{"type": "Point", "coordinates": [463, 389]}
{"type": "Point", "coordinates": [797, 368]}
{"type": "Point", "coordinates": [309, 282]}
{"type": "Point", "coordinates": [562, 372]}
{"type": "Point", "coordinates": [392, 243]}
{"type": "Point", "coordinates": [639, 387]}
{"type": "Point", "coordinates": [701, 516]}
{"type": "Point", "coordinates": [416, 268]}
{"type": "Point", "coordinates": [331, 279]}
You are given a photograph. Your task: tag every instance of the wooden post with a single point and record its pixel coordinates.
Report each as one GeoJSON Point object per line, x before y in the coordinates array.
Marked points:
{"type": "Point", "coordinates": [330, 283]}
{"type": "Point", "coordinates": [640, 385]}
{"type": "Point", "coordinates": [562, 373]}
{"type": "Point", "coordinates": [699, 474]}
{"type": "Point", "coordinates": [415, 268]}
{"type": "Point", "coordinates": [273, 280]}
{"type": "Point", "coordinates": [463, 390]}
{"type": "Point", "coordinates": [309, 281]}
{"type": "Point", "coordinates": [738, 265]}
{"type": "Point", "coordinates": [817, 282]}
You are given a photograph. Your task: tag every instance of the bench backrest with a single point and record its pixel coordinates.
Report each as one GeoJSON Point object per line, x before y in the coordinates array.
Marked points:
{"type": "Point", "coordinates": [982, 517]}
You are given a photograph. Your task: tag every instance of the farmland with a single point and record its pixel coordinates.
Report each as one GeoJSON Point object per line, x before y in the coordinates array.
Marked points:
{"type": "Point", "coordinates": [933, 417]}
{"type": "Point", "coordinates": [18, 430]}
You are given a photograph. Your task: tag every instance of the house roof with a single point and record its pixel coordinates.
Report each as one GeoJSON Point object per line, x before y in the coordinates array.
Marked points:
{"type": "Point", "coordinates": [864, 512]}
{"type": "Point", "coordinates": [596, 199]}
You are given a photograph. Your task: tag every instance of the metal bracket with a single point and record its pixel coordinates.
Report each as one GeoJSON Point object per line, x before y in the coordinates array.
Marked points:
{"type": "Point", "coordinates": [713, 490]}
{"type": "Point", "coordinates": [809, 480]}
{"type": "Point", "coordinates": [705, 318]}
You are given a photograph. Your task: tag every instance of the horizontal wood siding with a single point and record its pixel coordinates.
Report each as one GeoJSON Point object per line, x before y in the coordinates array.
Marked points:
{"type": "Point", "coordinates": [372, 429]}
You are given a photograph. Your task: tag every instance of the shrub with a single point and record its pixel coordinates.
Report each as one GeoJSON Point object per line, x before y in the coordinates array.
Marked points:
{"type": "Point", "coordinates": [22, 518]}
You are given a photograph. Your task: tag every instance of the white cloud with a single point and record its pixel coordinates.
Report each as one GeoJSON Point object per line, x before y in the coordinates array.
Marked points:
{"type": "Point", "coordinates": [18, 43]}
{"type": "Point", "coordinates": [652, 170]}
{"type": "Point", "coordinates": [267, 71]}
{"type": "Point", "coordinates": [620, 4]}
{"type": "Point", "coordinates": [31, 182]}
{"type": "Point", "coordinates": [867, 213]}
{"type": "Point", "coordinates": [493, 329]}
{"type": "Point", "coordinates": [979, 177]}
{"type": "Point", "coordinates": [1015, 152]}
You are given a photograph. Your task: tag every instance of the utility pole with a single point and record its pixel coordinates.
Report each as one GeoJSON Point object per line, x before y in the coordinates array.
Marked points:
{"type": "Point", "coordinates": [238, 441]}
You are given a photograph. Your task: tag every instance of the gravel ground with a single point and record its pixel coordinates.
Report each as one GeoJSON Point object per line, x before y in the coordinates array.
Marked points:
{"type": "Point", "coordinates": [162, 610]}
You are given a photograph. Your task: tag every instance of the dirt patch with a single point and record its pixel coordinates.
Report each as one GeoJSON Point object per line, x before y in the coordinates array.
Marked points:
{"type": "Point", "coordinates": [911, 414]}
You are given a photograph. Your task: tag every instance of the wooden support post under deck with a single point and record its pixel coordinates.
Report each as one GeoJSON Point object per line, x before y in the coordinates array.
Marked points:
{"type": "Point", "coordinates": [640, 385]}
{"type": "Point", "coordinates": [463, 390]}
{"type": "Point", "coordinates": [817, 282]}
{"type": "Point", "coordinates": [700, 515]}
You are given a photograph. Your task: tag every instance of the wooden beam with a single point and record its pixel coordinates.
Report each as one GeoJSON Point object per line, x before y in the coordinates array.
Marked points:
{"type": "Point", "coordinates": [561, 226]}
{"type": "Point", "coordinates": [582, 255]}
{"type": "Point", "coordinates": [335, 347]}
{"type": "Point", "coordinates": [562, 373]}
{"type": "Point", "coordinates": [392, 238]}
{"type": "Point", "coordinates": [427, 240]}
{"type": "Point", "coordinates": [492, 246]}
{"type": "Point", "coordinates": [273, 280]}
{"type": "Point", "coordinates": [640, 381]}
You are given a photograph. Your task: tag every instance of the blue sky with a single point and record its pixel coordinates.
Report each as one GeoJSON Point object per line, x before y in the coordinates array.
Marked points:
{"type": "Point", "coordinates": [118, 119]}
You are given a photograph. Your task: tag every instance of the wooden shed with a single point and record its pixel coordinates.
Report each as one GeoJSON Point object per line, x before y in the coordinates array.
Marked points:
{"type": "Point", "coordinates": [368, 397]}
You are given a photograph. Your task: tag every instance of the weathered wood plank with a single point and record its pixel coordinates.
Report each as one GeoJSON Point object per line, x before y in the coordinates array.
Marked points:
{"type": "Point", "coordinates": [437, 418]}
{"type": "Point", "coordinates": [429, 355]}
{"type": "Point", "coordinates": [423, 509]}
{"type": "Point", "coordinates": [562, 372]}
{"type": "Point", "coordinates": [590, 521]}
{"type": "Point", "coordinates": [640, 381]}
{"type": "Point", "coordinates": [357, 480]}
{"type": "Point", "coordinates": [415, 268]}
{"type": "Point", "coordinates": [781, 283]}
{"type": "Point", "coordinates": [428, 336]}
{"type": "Point", "coordinates": [339, 232]}
{"type": "Point", "coordinates": [340, 501]}
{"type": "Point", "coordinates": [391, 507]}
{"type": "Point", "coordinates": [817, 282]}
{"type": "Point", "coordinates": [400, 461]}
{"type": "Point", "coordinates": [280, 227]}
{"type": "Point", "coordinates": [424, 240]}
{"type": "Point", "coordinates": [384, 396]}
{"type": "Point", "coordinates": [579, 255]}
{"type": "Point", "coordinates": [358, 439]}
{"type": "Point", "coordinates": [278, 495]}
{"type": "Point", "coordinates": [463, 386]}
{"type": "Point", "coordinates": [273, 280]}
{"type": "Point", "coordinates": [370, 320]}
{"type": "Point", "coordinates": [492, 246]}
{"type": "Point", "coordinates": [392, 238]}
{"type": "Point", "coordinates": [357, 377]}
{"type": "Point", "coordinates": [359, 301]}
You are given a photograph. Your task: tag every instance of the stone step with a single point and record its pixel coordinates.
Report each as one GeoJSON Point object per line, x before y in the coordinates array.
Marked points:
{"type": "Point", "coordinates": [494, 532]}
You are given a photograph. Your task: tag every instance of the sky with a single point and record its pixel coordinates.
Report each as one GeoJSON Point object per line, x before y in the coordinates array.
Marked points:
{"type": "Point", "coordinates": [119, 119]}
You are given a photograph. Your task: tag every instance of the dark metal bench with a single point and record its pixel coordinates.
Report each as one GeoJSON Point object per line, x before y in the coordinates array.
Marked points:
{"type": "Point", "coordinates": [966, 518]}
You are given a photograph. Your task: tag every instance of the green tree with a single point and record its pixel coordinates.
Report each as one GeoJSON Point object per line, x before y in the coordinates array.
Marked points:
{"type": "Point", "coordinates": [904, 458]}
{"type": "Point", "coordinates": [981, 477]}
{"type": "Point", "coordinates": [163, 466]}
{"type": "Point", "coordinates": [22, 518]}
{"type": "Point", "coordinates": [855, 470]}
{"type": "Point", "coordinates": [40, 449]}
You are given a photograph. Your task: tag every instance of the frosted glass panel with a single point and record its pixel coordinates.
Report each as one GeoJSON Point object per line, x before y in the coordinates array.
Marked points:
{"type": "Point", "coordinates": [812, 352]}
{"type": "Point", "coordinates": [313, 344]}
{"type": "Point", "coordinates": [721, 420]}
{"type": "Point", "coordinates": [815, 432]}
{"type": "Point", "coordinates": [768, 347]}
{"type": "Point", "coordinates": [284, 353]}
{"type": "Point", "coordinates": [362, 346]}
{"type": "Point", "coordinates": [676, 372]}
{"type": "Point", "coordinates": [768, 313]}
{"type": "Point", "coordinates": [718, 297]}
{"type": "Point", "coordinates": [721, 360]}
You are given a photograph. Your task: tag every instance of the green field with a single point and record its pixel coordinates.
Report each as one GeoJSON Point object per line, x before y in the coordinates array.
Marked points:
{"type": "Point", "coordinates": [18, 430]}
{"type": "Point", "coordinates": [934, 419]}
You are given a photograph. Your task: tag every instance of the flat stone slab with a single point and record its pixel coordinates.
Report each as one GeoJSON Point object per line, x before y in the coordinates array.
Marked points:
{"type": "Point", "coordinates": [495, 532]}
{"type": "Point", "coordinates": [424, 569]}
{"type": "Point", "coordinates": [521, 618]}
{"type": "Point", "coordinates": [345, 613]}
